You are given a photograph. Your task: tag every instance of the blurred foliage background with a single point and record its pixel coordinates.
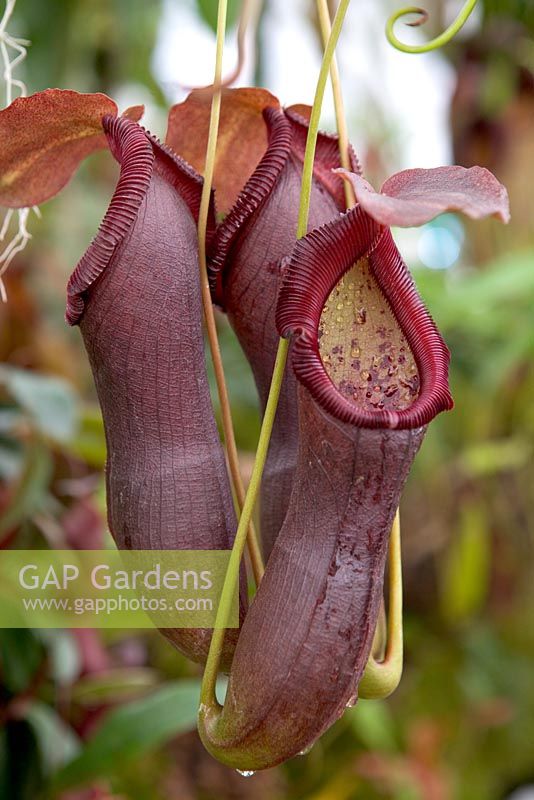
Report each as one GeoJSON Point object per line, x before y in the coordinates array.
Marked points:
{"type": "Point", "coordinates": [90, 715]}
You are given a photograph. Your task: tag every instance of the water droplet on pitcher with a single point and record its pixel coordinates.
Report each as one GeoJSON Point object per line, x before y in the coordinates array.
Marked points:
{"type": "Point", "coordinates": [351, 702]}
{"type": "Point", "coordinates": [306, 750]}
{"type": "Point", "coordinates": [246, 773]}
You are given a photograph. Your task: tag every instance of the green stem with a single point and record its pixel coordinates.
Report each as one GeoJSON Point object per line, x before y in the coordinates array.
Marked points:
{"type": "Point", "coordinates": [207, 695]}
{"type": "Point", "coordinates": [313, 130]}
{"type": "Point", "coordinates": [441, 40]}
{"type": "Point", "coordinates": [325, 23]}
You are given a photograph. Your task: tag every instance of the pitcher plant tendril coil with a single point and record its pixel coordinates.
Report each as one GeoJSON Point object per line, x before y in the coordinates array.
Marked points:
{"type": "Point", "coordinates": [434, 44]}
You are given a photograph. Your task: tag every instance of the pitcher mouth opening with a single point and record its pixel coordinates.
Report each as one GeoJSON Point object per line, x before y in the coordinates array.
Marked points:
{"type": "Point", "coordinates": [364, 344]}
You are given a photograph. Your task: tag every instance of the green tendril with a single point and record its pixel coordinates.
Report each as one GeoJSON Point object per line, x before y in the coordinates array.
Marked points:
{"type": "Point", "coordinates": [434, 44]}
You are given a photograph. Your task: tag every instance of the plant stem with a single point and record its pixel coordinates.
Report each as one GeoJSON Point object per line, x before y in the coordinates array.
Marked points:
{"type": "Point", "coordinates": [380, 678]}
{"type": "Point", "coordinates": [207, 695]}
{"type": "Point", "coordinates": [325, 24]}
{"type": "Point", "coordinates": [209, 315]}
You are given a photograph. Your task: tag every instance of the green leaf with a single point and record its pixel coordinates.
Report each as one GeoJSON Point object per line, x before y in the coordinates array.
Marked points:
{"type": "Point", "coordinates": [90, 441]}
{"type": "Point", "coordinates": [50, 402]}
{"type": "Point", "coordinates": [113, 685]}
{"type": "Point", "coordinates": [30, 491]}
{"type": "Point", "coordinates": [373, 724]}
{"type": "Point", "coordinates": [58, 743]}
{"type": "Point", "coordinates": [207, 9]}
{"type": "Point", "coordinates": [20, 656]}
{"type": "Point", "coordinates": [11, 455]}
{"type": "Point", "coordinates": [498, 455]}
{"type": "Point", "coordinates": [21, 772]}
{"type": "Point", "coordinates": [465, 577]}
{"type": "Point", "coordinates": [134, 729]}
{"type": "Point", "coordinates": [63, 654]}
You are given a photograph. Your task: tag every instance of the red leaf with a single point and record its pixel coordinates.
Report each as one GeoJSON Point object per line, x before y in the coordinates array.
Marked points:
{"type": "Point", "coordinates": [134, 113]}
{"type": "Point", "coordinates": [301, 109]}
{"type": "Point", "coordinates": [416, 196]}
{"type": "Point", "coordinates": [44, 137]}
{"type": "Point", "coordinates": [242, 139]}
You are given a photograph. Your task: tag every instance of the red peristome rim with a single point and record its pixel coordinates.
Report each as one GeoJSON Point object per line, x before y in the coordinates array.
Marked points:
{"type": "Point", "coordinates": [327, 156]}
{"type": "Point", "coordinates": [131, 147]}
{"type": "Point", "coordinates": [250, 199]}
{"type": "Point", "coordinates": [317, 264]}
{"type": "Point", "coordinates": [139, 154]}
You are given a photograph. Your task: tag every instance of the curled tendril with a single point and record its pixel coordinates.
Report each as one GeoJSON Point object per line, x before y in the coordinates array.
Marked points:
{"type": "Point", "coordinates": [433, 44]}
{"type": "Point", "coordinates": [424, 16]}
